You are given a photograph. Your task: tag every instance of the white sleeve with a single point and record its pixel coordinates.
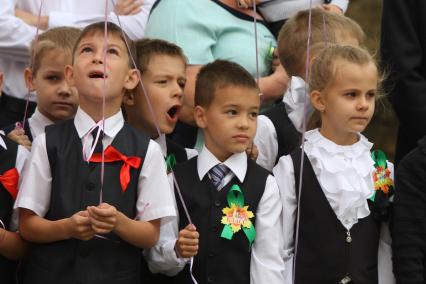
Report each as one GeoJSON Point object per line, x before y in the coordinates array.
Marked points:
{"type": "Point", "coordinates": [133, 25]}
{"type": "Point", "coordinates": [267, 264]}
{"type": "Point", "coordinates": [384, 256]}
{"type": "Point", "coordinates": [15, 34]}
{"type": "Point", "coordinates": [35, 188]}
{"type": "Point", "coordinates": [162, 257]}
{"type": "Point", "coordinates": [284, 175]}
{"type": "Point", "coordinates": [343, 4]}
{"type": "Point", "coordinates": [266, 142]}
{"type": "Point", "coordinates": [155, 197]}
{"type": "Point", "coordinates": [21, 158]}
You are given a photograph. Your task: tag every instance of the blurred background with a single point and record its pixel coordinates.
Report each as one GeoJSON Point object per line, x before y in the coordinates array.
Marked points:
{"type": "Point", "coordinates": [382, 129]}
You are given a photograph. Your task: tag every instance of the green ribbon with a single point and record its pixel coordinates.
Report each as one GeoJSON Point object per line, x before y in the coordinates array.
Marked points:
{"type": "Point", "coordinates": [170, 162]}
{"type": "Point", "coordinates": [235, 196]}
{"type": "Point", "coordinates": [379, 158]}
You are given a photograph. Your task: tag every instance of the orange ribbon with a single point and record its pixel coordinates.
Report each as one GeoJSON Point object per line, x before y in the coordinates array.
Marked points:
{"type": "Point", "coordinates": [113, 155]}
{"type": "Point", "coordinates": [9, 180]}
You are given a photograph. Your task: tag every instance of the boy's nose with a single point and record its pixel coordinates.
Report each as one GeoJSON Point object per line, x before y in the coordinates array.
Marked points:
{"type": "Point", "coordinates": [64, 89]}
{"type": "Point", "coordinates": [243, 122]}
{"type": "Point", "coordinates": [363, 103]}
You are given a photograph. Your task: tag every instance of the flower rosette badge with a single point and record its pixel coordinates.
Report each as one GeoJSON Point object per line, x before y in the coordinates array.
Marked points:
{"type": "Point", "coordinates": [383, 186]}
{"type": "Point", "coordinates": [237, 216]}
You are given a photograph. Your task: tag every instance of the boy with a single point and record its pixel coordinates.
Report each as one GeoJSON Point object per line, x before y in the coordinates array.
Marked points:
{"type": "Point", "coordinates": [75, 239]}
{"type": "Point", "coordinates": [12, 247]}
{"type": "Point", "coordinates": [56, 100]}
{"type": "Point", "coordinates": [280, 127]}
{"type": "Point", "coordinates": [227, 104]}
{"type": "Point", "coordinates": [162, 66]}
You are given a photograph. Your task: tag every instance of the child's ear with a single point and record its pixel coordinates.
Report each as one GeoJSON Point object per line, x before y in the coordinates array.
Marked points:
{"type": "Point", "coordinates": [69, 75]}
{"type": "Point", "coordinates": [29, 80]}
{"type": "Point", "coordinates": [129, 99]}
{"type": "Point", "coordinates": [317, 100]}
{"type": "Point", "coordinates": [132, 79]}
{"type": "Point", "coordinates": [200, 117]}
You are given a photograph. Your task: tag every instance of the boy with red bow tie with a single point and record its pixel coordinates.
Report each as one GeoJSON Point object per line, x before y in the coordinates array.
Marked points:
{"type": "Point", "coordinates": [12, 247]}
{"type": "Point", "coordinates": [89, 221]}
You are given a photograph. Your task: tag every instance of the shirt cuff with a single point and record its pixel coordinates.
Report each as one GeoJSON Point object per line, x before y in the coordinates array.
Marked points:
{"type": "Point", "coordinates": [343, 4]}
{"type": "Point", "coordinates": [59, 19]}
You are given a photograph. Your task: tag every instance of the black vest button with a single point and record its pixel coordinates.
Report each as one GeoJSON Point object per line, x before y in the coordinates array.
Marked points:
{"type": "Point", "coordinates": [215, 228]}
{"type": "Point", "coordinates": [210, 279]}
{"type": "Point", "coordinates": [90, 186]}
{"type": "Point", "coordinates": [217, 203]}
{"type": "Point", "coordinates": [212, 254]}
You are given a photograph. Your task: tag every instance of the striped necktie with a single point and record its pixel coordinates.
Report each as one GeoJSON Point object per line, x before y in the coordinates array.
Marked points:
{"type": "Point", "coordinates": [217, 173]}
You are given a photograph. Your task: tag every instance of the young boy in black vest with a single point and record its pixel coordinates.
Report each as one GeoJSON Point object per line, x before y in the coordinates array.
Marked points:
{"type": "Point", "coordinates": [279, 130]}
{"type": "Point", "coordinates": [12, 246]}
{"type": "Point", "coordinates": [232, 201]}
{"type": "Point", "coordinates": [162, 67]}
{"type": "Point", "coordinates": [88, 225]}
{"type": "Point", "coordinates": [56, 100]}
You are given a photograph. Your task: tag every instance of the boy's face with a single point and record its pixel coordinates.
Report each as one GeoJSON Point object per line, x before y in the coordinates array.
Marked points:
{"type": "Point", "coordinates": [164, 81]}
{"type": "Point", "coordinates": [55, 98]}
{"type": "Point", "coordinates": [87, 72]}
{"type": "Point", "coordinates": [230, 121]}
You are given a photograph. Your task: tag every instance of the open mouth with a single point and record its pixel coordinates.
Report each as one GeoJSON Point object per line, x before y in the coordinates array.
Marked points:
{"type": "Point", "coordinates": [173, 111]}
{"type": "Point", "coordinates": [97, 75]}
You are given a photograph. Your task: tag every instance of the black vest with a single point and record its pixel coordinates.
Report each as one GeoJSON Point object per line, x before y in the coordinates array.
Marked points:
{"type": "Point", "coordinates": [218, 260]}
{"type": "Point", "coordinates": [76, 185]}
{"type": "Point", "coordinates": [327, 252]}
{"type": "Point", "coordinates": [287, 135]}
{"type": "Point", "coordinates": [147, 277]}
{"type": "Point", "coordinates": [8, 161]}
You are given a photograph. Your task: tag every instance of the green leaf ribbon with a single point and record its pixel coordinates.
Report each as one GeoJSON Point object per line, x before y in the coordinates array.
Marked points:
{"type": "Point", "coordinates": [170, 162]}
{"type": "Point", "coordinates": [235, 196]}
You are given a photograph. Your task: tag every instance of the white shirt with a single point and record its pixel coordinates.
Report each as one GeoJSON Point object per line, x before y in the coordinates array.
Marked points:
{"type": "Point", "coordinates": [266, 139]}
{"type": "Point", "coordinates": [21, 157]}
{"type": "Point", "coordinates": [345, 176]}
{"type": "Point", "coordinates": [38, 123]}
{"type": "Point", "coordinates": [276, 10]}
{"type": "Point", "coordinates": [16, 35]}
{"type": "Point", "coordinates": [190, 153]}
{"type": "Point", "coordinates": [154, 199]}
{"type": "Point", "coordinates": [266, 258]}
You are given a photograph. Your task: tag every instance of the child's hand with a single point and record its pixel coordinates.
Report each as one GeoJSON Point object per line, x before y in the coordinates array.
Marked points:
{"type": "Point", "coordinates": [187, 244]}
{"type": "Point", "coordinates": [246, 3]}
{"type": "Point", "coordinates": [80, 227]}
{"type": "Point", "coordinates": [332, 8]}
{"type": "Point", "coordinates": [103, 218]}
{"type": "Point", "coordinates": [252, 151]}
{"type": "Point", "coordinates": [18, 135]}
{"type": "Point", "coordinates": [128, 7]}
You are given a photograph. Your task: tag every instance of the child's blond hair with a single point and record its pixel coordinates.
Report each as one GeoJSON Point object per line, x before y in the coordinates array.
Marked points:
{"type": "Point", "coordinates": [325, 27]}
{"type": "Point", "coordinates": [62, 38]}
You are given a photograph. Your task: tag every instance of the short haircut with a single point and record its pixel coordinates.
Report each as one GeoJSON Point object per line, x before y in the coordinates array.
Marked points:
{"type": "Point", "coordinates": [325, 27]}
{"type": "Point", "coordinates": [113, 30]}
{"type": "Point", "coordinates": [220, 74]}
{"type": "Point", "coordinates": [63, 38]}
{"type": "Point", "coordinates": [147, 48]}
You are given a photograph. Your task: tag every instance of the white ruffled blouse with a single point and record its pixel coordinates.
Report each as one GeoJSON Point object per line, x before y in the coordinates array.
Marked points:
{"type": "Point", "coordinates": [344, 174]}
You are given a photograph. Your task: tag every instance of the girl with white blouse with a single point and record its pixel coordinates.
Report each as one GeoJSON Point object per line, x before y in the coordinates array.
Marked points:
{"type": "Point", "coordinates": [331, 224]}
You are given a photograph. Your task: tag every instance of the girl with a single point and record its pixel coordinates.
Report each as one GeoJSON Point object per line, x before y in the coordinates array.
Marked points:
{"type": "Point", "coordinates": [333, 236]}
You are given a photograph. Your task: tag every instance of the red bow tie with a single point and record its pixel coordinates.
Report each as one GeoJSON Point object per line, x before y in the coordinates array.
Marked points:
{"type": "Point", "coordinates": [113, 155]}
{"type": "Point", "coordinates": [9, 180]}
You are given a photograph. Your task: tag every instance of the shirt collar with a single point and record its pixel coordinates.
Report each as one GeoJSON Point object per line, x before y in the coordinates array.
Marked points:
{"type": "Point", "coordinates": [237, 163]}
{"type": "Point", "coordinates": [161, 140]}
{"type": "Point", "coordinates": [2, 143]}
{"type": "Point", "coordinates": [83, 123]}
{"type": "Point", "coordinates": [38, 122]}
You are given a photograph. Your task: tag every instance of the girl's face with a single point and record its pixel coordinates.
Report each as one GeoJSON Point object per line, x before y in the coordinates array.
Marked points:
{"type": "Point", "coordinates": [347, 103]}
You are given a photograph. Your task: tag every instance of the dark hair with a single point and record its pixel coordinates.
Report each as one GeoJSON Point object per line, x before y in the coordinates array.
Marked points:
{"type": "Point", "coordinates": [113, 30]}
{"type": "Point", "coordinates": [220, 74]}
{"type": "Point", "coordinates": [147, 48]}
